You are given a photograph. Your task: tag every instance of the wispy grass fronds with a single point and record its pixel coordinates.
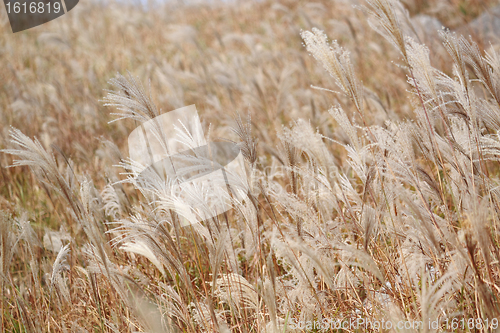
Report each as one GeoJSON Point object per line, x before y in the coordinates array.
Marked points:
{"type": "Point", "coordinates": [131, 99]}
{"type": "Point", "coordinates": [380, 202]}
{"type": "Point", "coordinates": [337, 62]}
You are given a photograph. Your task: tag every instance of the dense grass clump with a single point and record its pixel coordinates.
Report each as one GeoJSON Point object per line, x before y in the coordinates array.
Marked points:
{"type": "Point", "coordinates": [371, 169]}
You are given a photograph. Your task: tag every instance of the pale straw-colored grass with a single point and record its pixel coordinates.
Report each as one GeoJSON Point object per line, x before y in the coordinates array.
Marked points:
{"type": "Point", "coordinates": [371, 166]}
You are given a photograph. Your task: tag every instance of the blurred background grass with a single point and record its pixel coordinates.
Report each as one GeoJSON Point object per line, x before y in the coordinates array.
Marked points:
{"type": "Point", "coordinates": [225, 57]}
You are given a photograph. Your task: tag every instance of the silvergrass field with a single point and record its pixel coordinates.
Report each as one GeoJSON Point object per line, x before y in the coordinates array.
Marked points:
{"type": "Point", "coordinates": [370, 135]}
